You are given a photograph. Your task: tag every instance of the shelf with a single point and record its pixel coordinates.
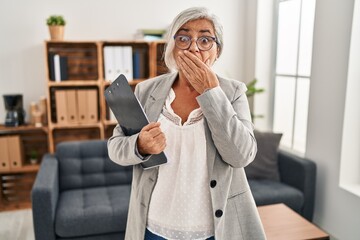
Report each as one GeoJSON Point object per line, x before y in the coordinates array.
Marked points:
{"type": "Point", "coordinates": [78, 60]}
{"type": "Point", "coordinates": [131, 83]}
{"type": "Point", "coordinates": [73, 83]}
{"type": "Point", "coordinates": [76, 134]}
{"type": "Point", "coordinates": [24, 169]}
{"type": "Point", "coordinates": [82, 63]}
{"type": "Point", "coordinates": [16, 188]}
{"type": "Point", "coordinates": [109, 123]}
{"type": "Point", "coordinates": [23, 128]}
{"type": "Point", "coordinates": [126, 42]}
{"type": "Point", "coordinates": [74, 126]}
{"type": "Point", "coordinates": [5, 206]}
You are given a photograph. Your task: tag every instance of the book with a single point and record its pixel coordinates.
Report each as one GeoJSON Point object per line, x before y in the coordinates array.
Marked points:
{"type": "Point", "coordinates": [139, 63]}
{"type": "Point", "coordinates": [58, 66]}
{"type": "Point", "coordinates": [130, 114]}
{"type": "Point", "coordinates": [136, 64]}
{"type": "Point", "coordinates": [51, 66]}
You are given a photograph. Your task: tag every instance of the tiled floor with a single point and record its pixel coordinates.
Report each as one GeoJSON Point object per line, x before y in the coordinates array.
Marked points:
{"type": "Point", "coordinates": [16, 225]}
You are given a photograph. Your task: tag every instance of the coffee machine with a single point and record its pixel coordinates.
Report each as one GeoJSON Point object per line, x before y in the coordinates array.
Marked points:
{"type": "Point", "coordinates": [15, 114]}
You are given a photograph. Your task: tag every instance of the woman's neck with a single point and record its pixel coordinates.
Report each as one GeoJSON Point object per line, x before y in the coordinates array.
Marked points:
{"type": "Point", "coordinates": [183, 84]}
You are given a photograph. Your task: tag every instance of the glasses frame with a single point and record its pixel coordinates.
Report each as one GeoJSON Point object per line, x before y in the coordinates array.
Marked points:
{"type": "Point", "coordinates": [190, 42]}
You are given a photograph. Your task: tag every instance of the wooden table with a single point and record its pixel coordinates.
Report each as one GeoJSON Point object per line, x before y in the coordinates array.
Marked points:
{"type": "Point", "coordinates": [282, 223]}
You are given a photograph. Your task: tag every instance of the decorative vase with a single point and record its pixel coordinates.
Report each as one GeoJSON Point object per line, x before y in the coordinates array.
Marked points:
{"type": "Point", "coordinates": [56, 33]}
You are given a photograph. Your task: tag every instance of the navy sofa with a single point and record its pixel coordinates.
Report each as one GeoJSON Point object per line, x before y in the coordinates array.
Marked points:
{"type": "Point", "coordinates": [79, 193]}
{"type": "Point", "coordinates": [296, 187]}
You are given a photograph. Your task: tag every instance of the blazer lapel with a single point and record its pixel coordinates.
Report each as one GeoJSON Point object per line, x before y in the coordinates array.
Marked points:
{"type": "Point", "coordinates": [156, 101]}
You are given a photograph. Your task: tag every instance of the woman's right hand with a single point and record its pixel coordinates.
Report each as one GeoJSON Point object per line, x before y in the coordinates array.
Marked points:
{"type": "Point", "coordinates": [151, 139]}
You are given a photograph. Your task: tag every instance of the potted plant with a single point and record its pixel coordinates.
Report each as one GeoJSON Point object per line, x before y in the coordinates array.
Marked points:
{"type": "Point", "coordinates": [56, 25]}
{"type": "Point", "coordinates": [252, 90]}
{"type": "Point", "coordinates": [33, 157]}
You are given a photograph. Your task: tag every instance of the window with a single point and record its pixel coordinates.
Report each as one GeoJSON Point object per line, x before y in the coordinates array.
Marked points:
{"type": "Point", "coordinates": [295, 23]}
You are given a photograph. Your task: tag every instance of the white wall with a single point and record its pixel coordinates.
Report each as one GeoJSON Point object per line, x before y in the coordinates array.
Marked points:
{"type": "Point", "coordinates": [264, 64]}
{"type": "Point", "coordinates": [23, 31]}
{"type": "Point", "coordinates": [336, 210]}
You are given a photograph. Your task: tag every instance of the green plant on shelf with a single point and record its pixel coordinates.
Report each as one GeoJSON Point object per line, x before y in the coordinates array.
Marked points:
{"type": "Point", "coordinates": [33, 156]}
{"type": "Point", "coordinates": [55, 20]}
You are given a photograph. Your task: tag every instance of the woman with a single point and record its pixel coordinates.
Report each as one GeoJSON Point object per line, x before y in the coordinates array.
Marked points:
{"type": "Point", "coordinates": [202, 122]}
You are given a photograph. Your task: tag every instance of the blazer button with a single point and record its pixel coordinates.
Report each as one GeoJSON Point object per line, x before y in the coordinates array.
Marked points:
{"type": "Point", "coordinates": [218, 213]}
{"type": "Point", "coordinates": [212, 183]}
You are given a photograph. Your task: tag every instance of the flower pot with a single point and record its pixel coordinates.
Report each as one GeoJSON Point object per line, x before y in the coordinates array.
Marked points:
{"type": "Point", "coordinates": [57, 33]}
{"type": "Point", "coordinates": [33, 161]}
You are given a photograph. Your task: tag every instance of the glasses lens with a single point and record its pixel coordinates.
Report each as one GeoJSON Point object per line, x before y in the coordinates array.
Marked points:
{"type": "Point", "coordinates": [182, 42]}
{"type": "Point", "coordinates": [205, 43]}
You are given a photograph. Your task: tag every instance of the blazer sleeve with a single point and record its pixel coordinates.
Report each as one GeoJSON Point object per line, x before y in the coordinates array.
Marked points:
{"type": "Point", "coordinates": [121, 148]}
{"type": "Point", "coordinates": [229, 121]}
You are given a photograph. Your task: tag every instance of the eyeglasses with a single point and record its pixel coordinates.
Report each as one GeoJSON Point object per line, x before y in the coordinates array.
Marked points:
{"type": "Point", "coordinates": [203, 43]}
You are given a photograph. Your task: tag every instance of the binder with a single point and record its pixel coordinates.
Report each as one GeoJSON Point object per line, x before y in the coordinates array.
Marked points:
{"type": "Point", "coordinates": [136, 64]}
{"type": "Point", "coordinates": [16, 153]}
{"type": "Point", "coordinates": [109, 67]}
{"type": "Point", "coordinates": [139, 63]}
{"type": "Point", "coordinates": [4, 154]}
{"type": "Point", "coordinates": [127, 62]}
{"type": "Point", "coordinates": [82, 105]}
{"type": "Point", "coordinates": [71, 106]}
{"type": "Point", "coordinates": [61, 106]}
{"type": "Point", "coordinates": [130, 114]}
{"type": "Point", "coordinates": [92, 105]}
{"type": "Point", "coordinates": [118, 61]}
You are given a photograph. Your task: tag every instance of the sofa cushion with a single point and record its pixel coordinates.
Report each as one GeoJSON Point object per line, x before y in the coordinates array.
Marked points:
{"type": "Point", "coordinates": [267, 192]}
{"type": "Point", "coordinates": [91, 211]}
{"type": "Point", "coordinates": [265, 164]}
{"type": "Point", "coordinates": [86, 164]}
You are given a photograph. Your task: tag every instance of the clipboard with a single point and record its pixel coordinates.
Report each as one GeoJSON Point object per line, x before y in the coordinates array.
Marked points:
{"type": "Point", "coordinates": [130, 114]}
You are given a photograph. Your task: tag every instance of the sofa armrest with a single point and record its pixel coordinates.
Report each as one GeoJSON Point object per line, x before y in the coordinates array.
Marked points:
{"type": "Point", "coordinates": [301, 174]}
{"type": "Point", "coordinates": [44, 194]}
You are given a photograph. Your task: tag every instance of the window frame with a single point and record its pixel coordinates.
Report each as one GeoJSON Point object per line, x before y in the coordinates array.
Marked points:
{"type": "Point", "coordinates": [296, 76]}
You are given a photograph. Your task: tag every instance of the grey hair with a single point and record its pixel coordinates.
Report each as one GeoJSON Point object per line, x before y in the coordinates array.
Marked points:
{"type": "Point", "coordinates": [185, 16]}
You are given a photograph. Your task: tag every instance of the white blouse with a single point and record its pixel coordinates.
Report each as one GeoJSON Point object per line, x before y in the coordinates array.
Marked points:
{"type": "Point", "coordinates": [180, 206]}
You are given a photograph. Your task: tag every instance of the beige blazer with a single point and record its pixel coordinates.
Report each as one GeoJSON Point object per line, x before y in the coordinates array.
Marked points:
{"type": "Point", "coordinates": [230, 147]}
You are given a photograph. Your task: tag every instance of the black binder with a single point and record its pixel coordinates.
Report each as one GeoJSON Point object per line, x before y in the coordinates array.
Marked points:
{"type": "Point", "coordinates": [129, 114]}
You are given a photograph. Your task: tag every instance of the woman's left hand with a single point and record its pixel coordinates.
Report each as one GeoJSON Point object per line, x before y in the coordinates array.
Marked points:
{"type": "Point", "coordinates": [199, 74]}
